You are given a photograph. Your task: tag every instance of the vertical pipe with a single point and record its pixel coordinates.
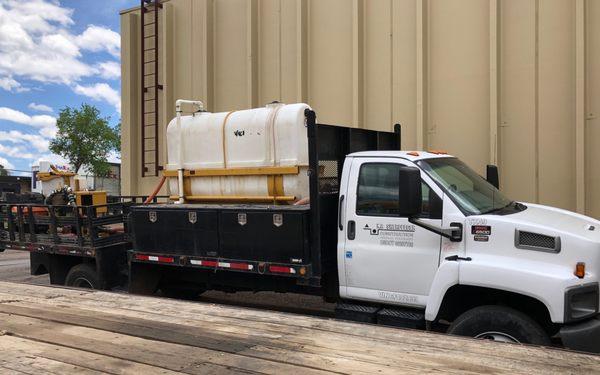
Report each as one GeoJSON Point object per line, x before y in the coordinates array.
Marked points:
{"type": "Point", "coordinates": [494, 81]}
{"type": "Point", "coordinates": [156, 86]}
{"type": "Point", "coordinates": [357, 62]}
{"type": "Point", "coordinates": [421, 72]}
{"type": "Point", "coordinates": [252, 52]}
{"type": "Point", "coordinates": [302, 34]}
{"type": "Point", "coordinates": [580, 107]}
{"type": "Point", "coordinates": [537, 101]}
{"type": "Point", "coordinates": [180, 156]}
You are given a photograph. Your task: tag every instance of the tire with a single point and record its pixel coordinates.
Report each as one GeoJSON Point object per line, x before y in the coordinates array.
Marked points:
{"type": "Point", "coordinates": [499, 323]}
{"type": "Point", "coordinates": [181, 292]}
{"type": "Point", "coordinates": [83, 276]}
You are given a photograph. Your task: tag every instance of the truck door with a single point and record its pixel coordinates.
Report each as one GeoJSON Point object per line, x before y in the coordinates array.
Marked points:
{"type": "Point", "coordinates": [387, 258]}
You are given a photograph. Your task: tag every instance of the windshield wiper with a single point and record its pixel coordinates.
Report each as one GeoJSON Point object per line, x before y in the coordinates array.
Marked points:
{"type": "Point", "coordinates": [499, 208]}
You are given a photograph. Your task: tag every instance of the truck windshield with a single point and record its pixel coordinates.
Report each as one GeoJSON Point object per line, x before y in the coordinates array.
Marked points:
{"type": "Point", "coordinates": [471, 192]}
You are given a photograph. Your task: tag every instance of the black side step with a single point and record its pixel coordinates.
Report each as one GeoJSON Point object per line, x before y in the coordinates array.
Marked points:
{"type": "Point", "coordinates": [405, 318]}
{"type": "Point", "coordinates": [357, 313]}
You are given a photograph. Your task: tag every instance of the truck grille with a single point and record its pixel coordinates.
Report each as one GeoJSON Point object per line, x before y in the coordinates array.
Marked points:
{"type": "Point", "coordinates": [536, 241]}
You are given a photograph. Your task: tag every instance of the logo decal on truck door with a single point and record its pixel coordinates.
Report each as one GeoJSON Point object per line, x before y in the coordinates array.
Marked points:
{"type": "Point", "coordinates": [399, 235]}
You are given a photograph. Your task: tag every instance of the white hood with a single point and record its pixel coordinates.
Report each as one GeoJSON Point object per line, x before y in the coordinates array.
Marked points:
{"type": "Point", "coordinates": [550, 219]}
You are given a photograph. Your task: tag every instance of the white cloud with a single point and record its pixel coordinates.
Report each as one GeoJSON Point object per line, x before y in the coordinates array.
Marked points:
{"type": "Point", "coordinates": [19, 117]}
{"type": "Point", "coordinates": [6, 164]}
{"type": "Point", "coordinates": [101, 92]}
{"type": "Point", "coordinates": [110, 69]}
{"type": "Point", "coordinates": [36, 43]}
{"type": "Point", "coordinates": [9, 84]}
{"type": "Point", "coordinates": [45, 124]}
{"type": "Point", "coordinates": [60, 44]}
{"type": "Point", "coordinates": [16, 152]}
{"type": "Point", "coordinates": [37, 141]}
{"type": "Point", "coordinates": [96, 38]}
{"type": "Point", "coordinates": [40, 107]}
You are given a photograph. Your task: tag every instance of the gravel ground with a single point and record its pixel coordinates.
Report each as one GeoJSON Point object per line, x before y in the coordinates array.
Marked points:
{"type": "Point", "coordinates": [14, 266]}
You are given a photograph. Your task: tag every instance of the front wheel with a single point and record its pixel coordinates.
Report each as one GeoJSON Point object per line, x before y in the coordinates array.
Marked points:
{"type": "Point", "coordinates": [83, 276]}
{"type": "Point", "coordinates": [499, 323]}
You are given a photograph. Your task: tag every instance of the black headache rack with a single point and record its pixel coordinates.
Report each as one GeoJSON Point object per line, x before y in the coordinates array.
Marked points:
{"type": "Point", "coordinates": [284, 240]}
{"type": "Point", "coordinates": [66, 230]}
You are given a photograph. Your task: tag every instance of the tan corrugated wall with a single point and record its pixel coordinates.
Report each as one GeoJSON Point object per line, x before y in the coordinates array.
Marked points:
{"type": "Point", "coordinates": [512, 82]}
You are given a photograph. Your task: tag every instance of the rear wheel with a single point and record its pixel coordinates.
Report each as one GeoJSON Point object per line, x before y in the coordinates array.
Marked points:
{"type": "Point", "coordinates": [83, 276]}
{"type": "Point", "coordinates": [499, 323]}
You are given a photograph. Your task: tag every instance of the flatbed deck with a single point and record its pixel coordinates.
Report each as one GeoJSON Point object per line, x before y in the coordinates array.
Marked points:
{"type": "Point", "coordinates": [59, 330]}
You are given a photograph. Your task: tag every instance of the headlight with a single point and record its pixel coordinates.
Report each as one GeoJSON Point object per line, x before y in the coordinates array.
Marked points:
{"type": "Point", "coordinates": [581, 302]}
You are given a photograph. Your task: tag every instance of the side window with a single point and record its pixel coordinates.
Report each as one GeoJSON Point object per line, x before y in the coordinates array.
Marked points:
{"type": "Point", "coordinates": [377, 192]}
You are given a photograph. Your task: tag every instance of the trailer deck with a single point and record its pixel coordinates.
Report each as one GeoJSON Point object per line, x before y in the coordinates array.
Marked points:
{"type": "Point", "coordinates": [60, 330]}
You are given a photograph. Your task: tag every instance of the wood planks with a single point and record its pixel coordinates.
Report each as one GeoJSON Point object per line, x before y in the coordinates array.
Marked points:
{"type": "Point", "coordinates": [59, 330]}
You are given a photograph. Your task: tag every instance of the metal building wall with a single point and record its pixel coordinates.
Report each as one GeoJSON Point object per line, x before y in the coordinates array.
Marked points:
{"type": "Point", "coordinates": [512, 82]}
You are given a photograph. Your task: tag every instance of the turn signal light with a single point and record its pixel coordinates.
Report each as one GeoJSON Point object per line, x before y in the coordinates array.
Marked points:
{"type": "Point", "coordinates": [580, 270]}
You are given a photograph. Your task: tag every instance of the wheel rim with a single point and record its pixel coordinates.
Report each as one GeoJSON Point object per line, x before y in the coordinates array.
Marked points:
{"type": "Point", "coordinates": [82, 282]}
{"type": "Point", "coordinates": [497, 336]}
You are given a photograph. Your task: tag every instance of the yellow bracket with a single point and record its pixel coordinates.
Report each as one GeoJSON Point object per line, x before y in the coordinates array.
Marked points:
{"type": "Point", "coordinates": [274, 183]}
{"type": "Point", "coordinates": [258, 171]}
{"type": "Point", "coordinates": [235, 198]}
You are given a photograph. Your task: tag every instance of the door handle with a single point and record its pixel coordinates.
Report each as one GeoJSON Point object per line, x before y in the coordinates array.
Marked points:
{"type": "Point", "coordinates": [351, 229]}
{"type": "Point", "coordinates": [340, 223]}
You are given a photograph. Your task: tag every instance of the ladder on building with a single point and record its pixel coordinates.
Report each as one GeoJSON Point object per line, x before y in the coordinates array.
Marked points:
{"type": "Point", "coordinates": [150, 87]}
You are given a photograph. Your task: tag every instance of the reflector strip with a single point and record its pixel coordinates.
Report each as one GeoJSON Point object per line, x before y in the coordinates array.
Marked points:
{"type": "Point", "coordinates": [280, 269]}
{"type": "Point", "coordinates": [152, 258]}
{"type": "Point", "coordinates": [241, 266]}
{"type": "Point", "coordinates": [211, 263]}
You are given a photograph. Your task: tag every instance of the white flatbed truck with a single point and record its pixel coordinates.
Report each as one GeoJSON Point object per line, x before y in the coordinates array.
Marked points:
{"type": "Point", "coordinates": [412, 239]}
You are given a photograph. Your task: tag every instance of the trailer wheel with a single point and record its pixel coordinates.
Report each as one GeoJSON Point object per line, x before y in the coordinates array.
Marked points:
{"type": "Point", "coordinates": [499, 323]}
{"type": "Point", "coordinates": [83, 276]}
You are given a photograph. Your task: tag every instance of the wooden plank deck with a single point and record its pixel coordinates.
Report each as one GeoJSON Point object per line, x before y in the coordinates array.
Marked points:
{"type": "Point", "coordinates": [49, 330]}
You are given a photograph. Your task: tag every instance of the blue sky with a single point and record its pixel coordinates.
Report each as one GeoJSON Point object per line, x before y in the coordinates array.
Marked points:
{"type": "Point", "coordinates": [54, 54]}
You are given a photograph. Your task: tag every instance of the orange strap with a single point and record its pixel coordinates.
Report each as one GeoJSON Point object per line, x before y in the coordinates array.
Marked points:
{"type": "Point", "coordinates": [223, 138]}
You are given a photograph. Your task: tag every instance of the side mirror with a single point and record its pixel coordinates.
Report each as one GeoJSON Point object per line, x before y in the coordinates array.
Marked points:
{"type": "Point", "coordinates": [409, 191]}
{"type": "Point", "coordinates": [492, 176]}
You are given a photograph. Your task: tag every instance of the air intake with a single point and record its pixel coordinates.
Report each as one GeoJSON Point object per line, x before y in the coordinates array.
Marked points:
{"type": "Point", "coordinates": [535, 241]}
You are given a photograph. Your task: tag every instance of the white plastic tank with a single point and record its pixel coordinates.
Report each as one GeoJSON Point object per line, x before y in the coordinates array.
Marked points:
{"type": "Point", "coordinates": [273, 136]}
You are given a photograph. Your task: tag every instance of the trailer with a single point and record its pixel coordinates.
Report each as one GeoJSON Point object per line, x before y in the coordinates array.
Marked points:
{"type": "Point", "coordinates": [80, 246]}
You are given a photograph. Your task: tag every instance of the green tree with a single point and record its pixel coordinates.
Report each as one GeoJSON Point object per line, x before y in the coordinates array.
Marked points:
{"type": "Point", "coordinates": [3, 171]}
{"type": "Point", "coordinates": [85, 139]}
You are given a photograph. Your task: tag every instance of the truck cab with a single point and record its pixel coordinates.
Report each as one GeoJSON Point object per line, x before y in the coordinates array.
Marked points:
{"type": "Point", "coordinates": [422, 230]}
